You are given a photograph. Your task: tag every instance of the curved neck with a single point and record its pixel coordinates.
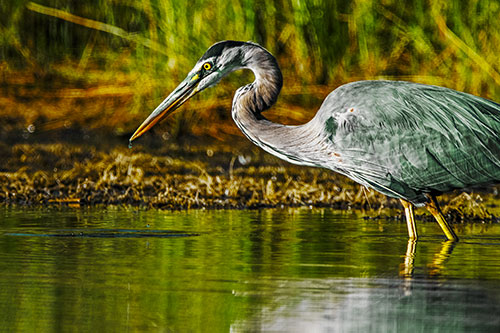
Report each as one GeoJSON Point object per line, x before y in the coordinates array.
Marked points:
{"type": "Point", "coordinates": [263, 92]}
{"type": "Point", "coordinates": [295, 144]}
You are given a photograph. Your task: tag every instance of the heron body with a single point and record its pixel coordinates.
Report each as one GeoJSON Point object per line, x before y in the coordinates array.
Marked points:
{"type": "Point", "coordinates": [406, 140]}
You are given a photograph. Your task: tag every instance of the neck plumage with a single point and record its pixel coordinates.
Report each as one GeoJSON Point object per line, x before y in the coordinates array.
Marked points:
{"type": "Point", "coordinates": [295, 144]}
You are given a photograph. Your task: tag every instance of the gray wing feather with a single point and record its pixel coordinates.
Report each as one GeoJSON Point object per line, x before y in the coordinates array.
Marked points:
{"type": "Point", "coordinates": [407, 139]}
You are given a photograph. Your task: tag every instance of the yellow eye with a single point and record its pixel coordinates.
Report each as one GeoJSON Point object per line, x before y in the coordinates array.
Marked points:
{"type": "Point", "coordinates": [207, 66]}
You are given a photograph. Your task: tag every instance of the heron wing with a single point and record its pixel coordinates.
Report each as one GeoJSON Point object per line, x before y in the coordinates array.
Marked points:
{"type": "Point", "coordinates": [405, 139]}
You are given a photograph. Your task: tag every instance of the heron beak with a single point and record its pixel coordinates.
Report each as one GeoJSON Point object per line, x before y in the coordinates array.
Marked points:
{"type": "Point", "coordinates": [183, 92]}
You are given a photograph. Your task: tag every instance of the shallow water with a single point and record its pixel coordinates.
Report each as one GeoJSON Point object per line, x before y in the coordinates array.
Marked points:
{"type": "Point", "coordinates": [291, 270]}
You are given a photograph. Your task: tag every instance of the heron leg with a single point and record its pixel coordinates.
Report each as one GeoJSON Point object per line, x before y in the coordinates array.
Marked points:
{"type": "Point", "coordinates": [410, 219]}
{"type": "Point", "coordinates": [433, 208]}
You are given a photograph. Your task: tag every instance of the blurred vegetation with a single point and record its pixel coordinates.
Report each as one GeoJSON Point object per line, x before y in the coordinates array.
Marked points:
{"type": "Point", "coordinates": [91, 71]}
{"type": "Point", "coordinates": [105, 64]}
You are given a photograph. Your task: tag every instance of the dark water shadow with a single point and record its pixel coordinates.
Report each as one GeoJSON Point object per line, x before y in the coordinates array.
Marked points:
{"type": "Point", "coordinates": [108, 233]}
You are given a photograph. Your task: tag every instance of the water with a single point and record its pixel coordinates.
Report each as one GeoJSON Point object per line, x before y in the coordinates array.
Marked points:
{"type": "Point", "coordinates": [298, 270]}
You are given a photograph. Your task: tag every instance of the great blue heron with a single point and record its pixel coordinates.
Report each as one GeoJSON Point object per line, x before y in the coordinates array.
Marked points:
{"type": "Point", "coordinates": [406, 140]}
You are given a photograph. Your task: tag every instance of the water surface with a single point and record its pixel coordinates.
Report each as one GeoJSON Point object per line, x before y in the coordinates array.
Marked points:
{"type": "Point", "coordinates": [109, 269]}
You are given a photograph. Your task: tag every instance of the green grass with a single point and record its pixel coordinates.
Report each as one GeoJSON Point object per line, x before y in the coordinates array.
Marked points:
{"type": "Point", "coordinates": [117, 59]}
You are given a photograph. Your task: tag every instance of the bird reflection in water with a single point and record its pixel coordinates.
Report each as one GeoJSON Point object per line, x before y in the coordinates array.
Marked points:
{"type": "Point", "coordinates": [436, 265]}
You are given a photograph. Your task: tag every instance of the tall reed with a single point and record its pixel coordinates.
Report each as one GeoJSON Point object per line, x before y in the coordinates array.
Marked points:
{"type": "Point", "coordinates": [146, 47]}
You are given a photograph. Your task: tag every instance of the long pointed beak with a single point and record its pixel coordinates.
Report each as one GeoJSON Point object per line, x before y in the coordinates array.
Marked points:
{"type": "Point", "coordinates": [183, 92]}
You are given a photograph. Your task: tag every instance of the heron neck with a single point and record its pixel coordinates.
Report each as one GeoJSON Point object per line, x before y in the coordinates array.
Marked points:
{"type": "Point", "coordinates": [295, 144]}
{"type": "Point", "coordinates": [263, 92]}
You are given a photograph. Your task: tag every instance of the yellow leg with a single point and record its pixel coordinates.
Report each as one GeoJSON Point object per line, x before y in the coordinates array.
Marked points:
{"type": "Point", "coordinates": [433, 208]}
{"type": "Point", "coordinates": [410, 219]}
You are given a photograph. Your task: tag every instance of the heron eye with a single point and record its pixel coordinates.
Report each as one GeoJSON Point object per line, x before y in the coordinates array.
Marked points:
{"type": "Point", "coordinates": [207, 66]}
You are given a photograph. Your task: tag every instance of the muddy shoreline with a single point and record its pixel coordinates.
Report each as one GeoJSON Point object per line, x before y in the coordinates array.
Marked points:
{"type": "Point", "coordinates": [177, 176]}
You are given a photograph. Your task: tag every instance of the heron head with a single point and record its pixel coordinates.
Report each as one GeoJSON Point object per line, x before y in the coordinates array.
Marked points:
{"type": "Point", "coordinates": [219, 60]}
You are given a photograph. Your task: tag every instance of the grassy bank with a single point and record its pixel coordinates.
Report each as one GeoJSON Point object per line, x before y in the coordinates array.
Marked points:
{"type": "Point", "coordinates": [183, 177]}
